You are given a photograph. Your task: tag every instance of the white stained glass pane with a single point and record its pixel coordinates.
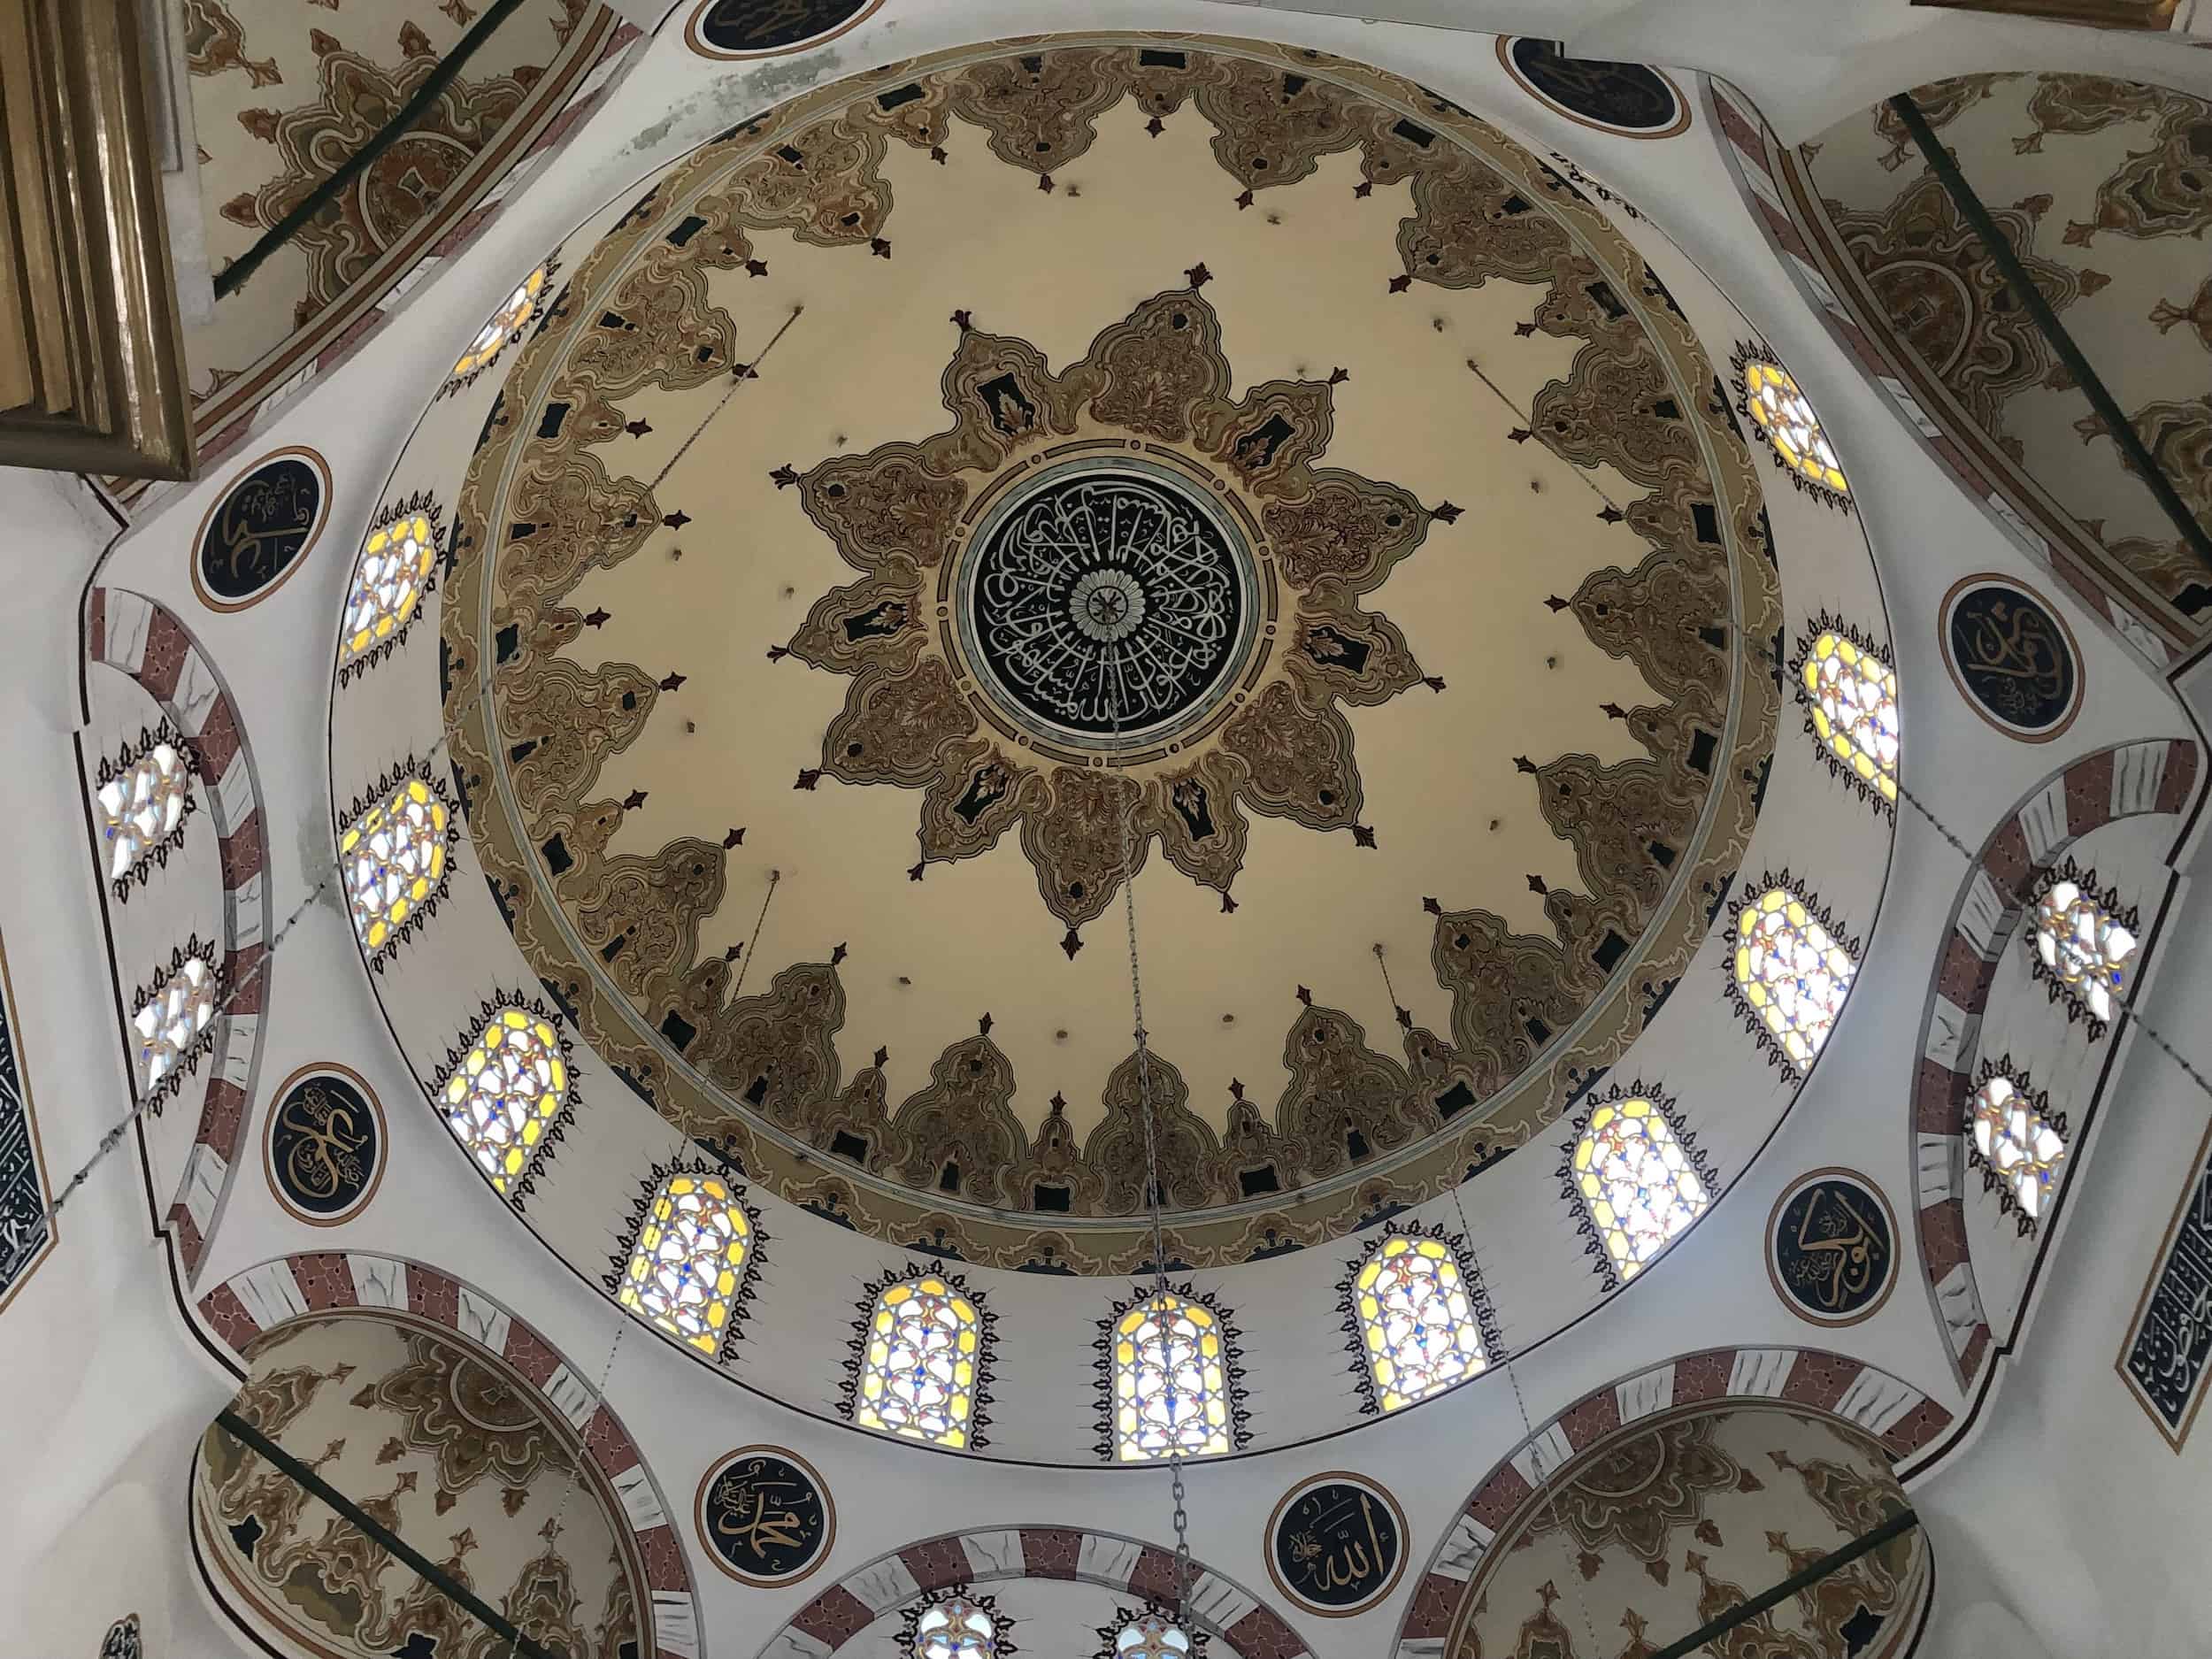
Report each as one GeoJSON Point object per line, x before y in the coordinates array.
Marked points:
{"type": "Point", "coordinates": [512, 315]}
{"type": "Point", "coordinates": [917, 1374]}
{"type": "Point", "coordinates": [2080, 943]}
{"type": "Point", "coordinates": [387, 580]}
{"type": "Point", "coordinates": [172, 1019]}
{"type": "Point", "coordinates": [2017, 1141]}
{"type": "Point", "coordinates": [1791, 973]}
{"type": "Point", "coordinates": [1640, 1188]}
{"type": "Point", "coordinates": [140, 809]}
{"type": "Point", "coordinates": [1152, 1636]}
{"type": "Point", "coordinates": [1416, 1321]}
{"type": "Point", "coordinates": [507, 1089]}
{"type": "Point", "coordinates": [1171, 1381]}
{"type": "Point", "coordinates": [684, 1272]}
{"type": "Point", "coordinates": [393, 856]}
{"type": "Point", "coordinates": [956, 1628]}
{"type": "Point", "coordinates": [1853, 696]}
{"type": "Point", "coordinates": [1786, 416]}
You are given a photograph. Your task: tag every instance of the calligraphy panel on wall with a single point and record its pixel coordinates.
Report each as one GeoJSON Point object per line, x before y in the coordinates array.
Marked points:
{"type": "Point", "coordinates": [27, 1234]}
{"type": "Point", "coordinates": [2164, 1359]}
{"type": "Point", "coordinates": [2012, 658]}
{"type": "Point", "coordinates": [769, 28]}
{"type": "Point", "coordinates": [260, 530]}
{"type": "Point", "coordinates": [1831, 1247]}
{"type": "Point", "coordinates": [325, 1144]}
{"type": "Point", "coordinates": [1633, 100]}
{"type": "Point", "coordinates": [764, 1517]}
{"type": "Point", "coordinates": [1336, 1544]}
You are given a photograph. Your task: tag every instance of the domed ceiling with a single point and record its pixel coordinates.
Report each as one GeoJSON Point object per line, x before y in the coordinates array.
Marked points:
{"type": "Point", "coordinates": [1008, 472]}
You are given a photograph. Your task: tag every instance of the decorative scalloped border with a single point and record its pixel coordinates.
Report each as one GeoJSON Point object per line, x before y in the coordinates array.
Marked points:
{"type": "Point", "coordinates": [2106, 899]}
{"type": "Point", "coordinates": [408, 771]}
{"type": "Point", "coordinates": [1479, 1302]}
{"type": "Point", "coordinates": [201, 1044]}
{"type": "Point", "coordinates": [421, 500]}
{"type": "Point", "coordinates": [155, 856]}
{"type": "Point", "coordinates": [730, 1174]}
{"type": "Point", "coordinates": [1827, 622]}
{"type": "Point", "coordinates": [551, 265]}
{"type": "Point", "coordinates": [1750, 351]}
{"type": "Point", "coordinates": [1851, 945]}
{"type": "Point", "coordinates": [1001, 1623]}
{"type": "Point", "coordinates": [2038, 1101]}
{"type": "Point", "coordinates": [1232, 1364]}
{"type": "Point", "coordinates": [1199, 1637]}
{"type": "Point", "coordinates": [1571, 1189]}
{"type": "Point", "coordinates": [986, 1345]}
{"type": "Point", "coordinates": [527, 1183]}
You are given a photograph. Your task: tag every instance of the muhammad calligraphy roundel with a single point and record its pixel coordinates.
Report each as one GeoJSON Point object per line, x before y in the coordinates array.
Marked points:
{"type": "Point", "coordinates": [1336, 1544]}
{"type": "Point", "coordinates": [768, 28]}
{"type": "Point", "coordinates": [2012, 656]}
{"type": "Point", "coordinates": [325, 1144]}
{"type": "Point", "coordinates": [1831, 1247]}
{"type": "Point", "coordinates": [1633, 100]}
{"type": "Point", "coordinates": [260, 531]}
{"type": "Point", "coordinates": [764, 1517]}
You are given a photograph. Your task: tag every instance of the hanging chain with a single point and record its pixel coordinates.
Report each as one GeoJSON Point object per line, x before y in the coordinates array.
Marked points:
{"type": "Point", "coordinates": [1151, 1157]}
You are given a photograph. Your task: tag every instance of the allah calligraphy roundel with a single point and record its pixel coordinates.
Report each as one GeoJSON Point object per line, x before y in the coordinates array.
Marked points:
{"type": "Point", "coordinates": [260, 530]}
{"type": "Point", "coordinates": [1831, 1247]}
{"type": "Point", "coordinates": [2012, 656]}
{"type": "Point", "coordinates": [764, 1517]}
{"type": "Point", "coordinates": [767, 29]}
{"type": "Point", "coordinates": [1336, 1544]}
{"type": "Point", "coordinates": [1633, 100]}
{"type": "Point", "coordinates": [325, 1143]}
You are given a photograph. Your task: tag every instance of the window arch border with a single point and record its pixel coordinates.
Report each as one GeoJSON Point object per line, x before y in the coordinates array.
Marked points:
{"type": "Point", "coordinates": [742, 1298]}
{"type": "Point", "coordinates": [1670, 1112]}
{"type": "Point", "coordinates": [2106, 899]}
{"type": "Point", "coordinates": [155, 855]}
{"type": "Point", "coordinates": [377, 795]}
{"type": "Point", "coordinates": [1746, 893]}
{"type": "Point", "coordinates": [525, 1183]}
{"type": "Point", "coordinates": [986, 1350]}
{"type": "Point", "coordinates": [1819, 625]}
{"type": "Point", "coordinates": [2038, 1104]}
{"type": "Point", "coordinates": [1002, 1624]}
{"type": "Point", "coordinates": [1231, 1370]}
{"type": "Point", "coordinates": [1480, 1307]}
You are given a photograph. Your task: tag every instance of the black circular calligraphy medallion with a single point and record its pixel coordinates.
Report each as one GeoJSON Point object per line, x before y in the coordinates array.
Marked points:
{"type": "Point", "coordinates": [761, 28]}
{"type": "Point", "coordinates": [2012, 656]}
{"type": "Point", "coordinates": [1336, 1544]}
{"type": "Point", "coordinates": [1831, 1247]}
{"type": "Point", "coordinates": [1105, 601]}
{"type": "Point", "coordinates": [325, 1144]}
{"type": "Point", "coordinates": [259, 531]}
{"type": "Point", "coordinates": [1633, 99]}
{"type": "Point", "coordinates": [764, 1517]}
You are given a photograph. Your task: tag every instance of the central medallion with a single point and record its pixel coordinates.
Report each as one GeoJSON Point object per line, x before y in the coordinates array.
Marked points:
{"type": "Point", "coordinates": [1106, 603]}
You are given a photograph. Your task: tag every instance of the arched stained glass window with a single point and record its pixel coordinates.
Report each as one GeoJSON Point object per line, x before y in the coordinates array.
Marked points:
{"type": "Point", "coordinates": [2085, 947]}
{"type": "Point", "coordinates": [394, 858]}
{"type": "Point", "coordinates": [1641, 1184]}
{"type": "Point", "coordinates": [1767, 392]}
{"type": "Point", "coordinates": [388, 579]}
{"type": "Point", "coordinates": [1850, 696]}
{"type": "Point", "coordinates": [1415, 1318]}
{"type": "Point", "coordinates": [492, 338]}
{"type": "Point", "coordinates": [2018, 1142]}
{"type": "Point", "coordinates": [142, 805]}
{"type": "Point", "coordinates": [503, 1093]}
{"type": "Point", "coordinates": [1151, 1634]}
{"type": "Point", "coordinates": [1791, 973]}
{"type": "Point", "coordinates": [687, 1270]}
{"type": "Point", "coordinates": [960, 1625]}
{"type": "Point", "coordinates": [923, 1357]}
{"type": "Point", "coordinates": [1174, 1374]}
{"type": "Point", "coordinates": [174, 1019]}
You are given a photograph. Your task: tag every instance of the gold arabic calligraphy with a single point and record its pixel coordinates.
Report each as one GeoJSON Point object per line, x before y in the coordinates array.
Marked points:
{"type": "Point", "coordinates": [2012, 656]}
{"type": "Point", "coordinates": [258, 530]}
{"type": "Point", "coordinates": [759, 1512]}
{"type": "Point", "coordinates": [325, 1138]}
{"type": "Point", "coordinates": [1842, 1255]}
{"type": "Point", "coordinates": [1337, 1546]}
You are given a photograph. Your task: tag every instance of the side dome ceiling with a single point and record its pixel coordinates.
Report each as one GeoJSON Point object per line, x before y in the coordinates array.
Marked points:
{"type": "Point", "coordinates": [783, 662]}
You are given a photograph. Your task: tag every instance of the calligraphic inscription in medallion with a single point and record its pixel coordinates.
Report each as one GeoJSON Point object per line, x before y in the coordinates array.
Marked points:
{"type": "Point", "coordinates": [27, 1232]}
{"type": "Point", "coordinates": [762, 28]}
{"type": "Point", "coordinates": [2013, 657]}
{"type": "Point", "coordinates": [1631, 98]}
{"type": "Point", "coordinates": [764, 1517]}
{"type": "Point", "coordinates": [1108, 602]}
{"type": "Point", "coordinates": [325, 1144]}
{"type": "Point", "coordinates": [2168, 1349]}
{"type": "Point", "coordinates": [261, 529]}
{"type": "Point", "coordinates": [1336, 1544]}
{"type": "Point", "coordinates": [1831, 1247]}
